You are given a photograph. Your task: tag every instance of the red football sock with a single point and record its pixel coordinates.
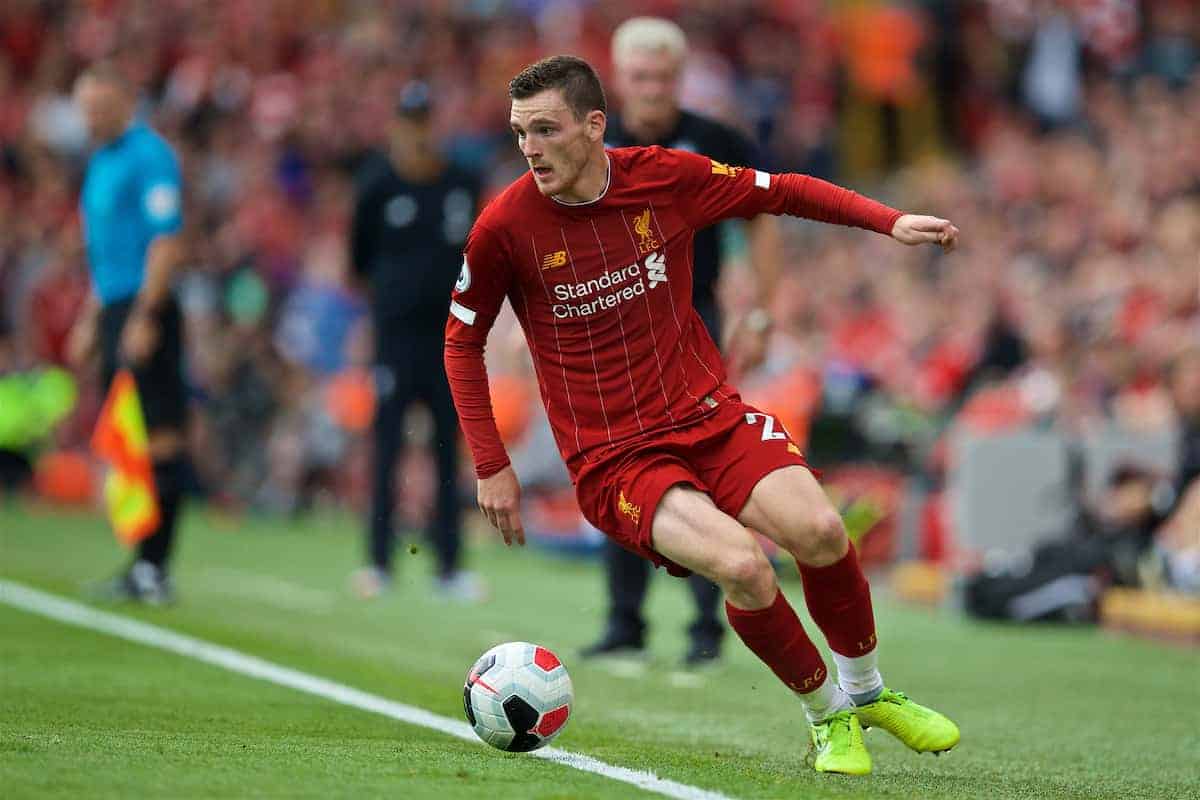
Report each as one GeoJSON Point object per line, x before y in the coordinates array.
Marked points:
{"type": "Point", "coordinates": [776, 636]}
{"type": "Point", "coordinates": [839, 600]}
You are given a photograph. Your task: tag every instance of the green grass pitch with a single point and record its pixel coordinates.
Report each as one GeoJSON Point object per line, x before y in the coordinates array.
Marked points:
{"type": "Point", "coordinates": [1045, 712]}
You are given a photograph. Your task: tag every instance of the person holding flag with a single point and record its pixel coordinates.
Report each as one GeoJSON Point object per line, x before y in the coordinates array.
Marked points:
{"type": "Point", "coordinates": [130, 205]}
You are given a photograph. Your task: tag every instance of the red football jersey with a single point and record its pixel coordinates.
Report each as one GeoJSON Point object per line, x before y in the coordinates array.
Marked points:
{"type": "Point", "coordinates": [603, 291]}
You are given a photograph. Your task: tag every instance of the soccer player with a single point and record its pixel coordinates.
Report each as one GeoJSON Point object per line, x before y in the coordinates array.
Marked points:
{"type": "Point", "coordinates": [593, 249]}
{"type": "Point", "coordinates": [131, 208]}
{"type": "Point", "coordinates": [411, 217]}
{"type": "Point", "coordinates": [648, 55]}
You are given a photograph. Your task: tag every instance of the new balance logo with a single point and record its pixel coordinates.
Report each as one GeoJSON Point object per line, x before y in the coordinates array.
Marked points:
{"type": "Point", "coordinates": [555, 259]}
{"type": "Point", "coordinates": [656, 269]}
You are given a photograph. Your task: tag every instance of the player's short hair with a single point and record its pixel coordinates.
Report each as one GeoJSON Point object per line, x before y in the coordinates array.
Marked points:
{"type": "Point", "coordinates": [579, 83]}
{"type": "Point", "coordinates": [648, 34]}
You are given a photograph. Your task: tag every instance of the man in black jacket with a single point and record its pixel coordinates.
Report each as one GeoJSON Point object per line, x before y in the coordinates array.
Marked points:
{"type": "Point", "coordinates": [411, 217]}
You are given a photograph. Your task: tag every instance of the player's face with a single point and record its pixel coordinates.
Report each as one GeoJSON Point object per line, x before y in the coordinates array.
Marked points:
{"type": "Point", "coordinates": [556, 145]}
{"type": "Point", "coordinates": [105, 108]}
{"type": "Point", "coordinates": [648, 82]}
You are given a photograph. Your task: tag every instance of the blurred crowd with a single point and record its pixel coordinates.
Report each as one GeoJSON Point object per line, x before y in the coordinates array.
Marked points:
{"type": "Point", "coordinates": [1063, 138]}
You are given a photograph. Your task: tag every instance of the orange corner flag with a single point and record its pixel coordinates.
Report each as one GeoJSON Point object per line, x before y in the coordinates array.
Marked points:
{"type": "Point", "coordinates": [120, 439]}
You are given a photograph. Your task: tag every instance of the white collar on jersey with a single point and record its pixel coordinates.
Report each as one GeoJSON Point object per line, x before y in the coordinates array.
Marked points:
{"type": "Point", "coordinates": [597, 198]}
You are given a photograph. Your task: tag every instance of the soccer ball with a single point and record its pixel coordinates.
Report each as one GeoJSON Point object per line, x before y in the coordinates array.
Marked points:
{"type": "Point", "coordinates": [518, 696]}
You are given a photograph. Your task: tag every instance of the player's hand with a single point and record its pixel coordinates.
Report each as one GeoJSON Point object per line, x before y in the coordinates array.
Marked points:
{"type": "Point", "coordinates": [920, 229]}
{"type": "Point", "coordinates": [500, 502]}
{"type": "Point", "coordinates": [138, 337]}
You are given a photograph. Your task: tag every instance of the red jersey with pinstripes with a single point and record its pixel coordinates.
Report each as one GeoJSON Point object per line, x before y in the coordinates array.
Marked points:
{"type": "Point", "coordinates": [603, 292]}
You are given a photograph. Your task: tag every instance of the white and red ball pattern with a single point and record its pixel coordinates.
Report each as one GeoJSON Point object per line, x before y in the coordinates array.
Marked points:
{"type": "Point", "coordinates": [518, 696]}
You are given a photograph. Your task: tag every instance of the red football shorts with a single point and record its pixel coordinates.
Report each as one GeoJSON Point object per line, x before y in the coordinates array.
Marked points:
{"type": "Point", "coordinates": [724, 454]}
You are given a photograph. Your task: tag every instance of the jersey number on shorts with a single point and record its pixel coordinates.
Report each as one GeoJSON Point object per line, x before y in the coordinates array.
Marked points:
{"type": "Point", "coordinates": [768, 421]}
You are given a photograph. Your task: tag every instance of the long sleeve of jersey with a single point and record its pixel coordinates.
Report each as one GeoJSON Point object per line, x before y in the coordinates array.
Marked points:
{"type": "Point", "coordinates": [476, 300]}
{"type": "Point", "coordinates": [711, 191]}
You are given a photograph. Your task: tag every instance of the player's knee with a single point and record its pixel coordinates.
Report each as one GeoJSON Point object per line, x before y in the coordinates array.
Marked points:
{"type": "Point", "coordinates": [747, 573]}
{"type": "Point", "coordinates": [821, 539]}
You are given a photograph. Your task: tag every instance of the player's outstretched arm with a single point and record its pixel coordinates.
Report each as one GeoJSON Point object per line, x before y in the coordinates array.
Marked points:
{"type": "Point", "coordinates": [711, 191]}
{"type": "Point", "coordinates": [920, 229]}
{"type": "Point", "coordinates": [500, 502]}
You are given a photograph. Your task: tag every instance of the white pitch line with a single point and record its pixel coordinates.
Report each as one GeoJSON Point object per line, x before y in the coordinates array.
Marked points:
{"type": "Point", "coordinates": [56, 608]}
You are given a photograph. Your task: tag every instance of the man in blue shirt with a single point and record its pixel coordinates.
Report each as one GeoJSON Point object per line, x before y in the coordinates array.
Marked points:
{"type": "Point", "coordinates": [131, 209]}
